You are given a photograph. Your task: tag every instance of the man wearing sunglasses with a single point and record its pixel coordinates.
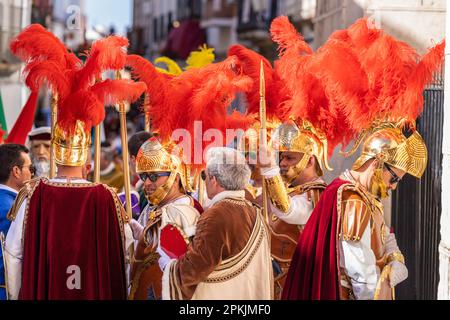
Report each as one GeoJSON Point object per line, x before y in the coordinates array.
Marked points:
{"type": "Point", "coordinates": [229, 257]}
{"type": "Point", "coordinates": [365, 261]}
{"type": "Point", "coordinates": [16, 169]}
{"type": "Point", "coordinates": [167, 223]}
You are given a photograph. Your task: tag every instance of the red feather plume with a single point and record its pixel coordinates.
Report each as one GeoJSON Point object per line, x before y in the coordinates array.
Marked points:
{"type": "Point", "coordinates": [395, 76]}
{"type": "Point", "coordinates": [250, 63]}
{"type": "Point", "coordinates": [36, 43]}
{"type": "Point", "coordinates": [50, 63]}
{"type": "Point", "coordinates": [106, 54]}
{"type": "Point", "coordinates": [112, 92]}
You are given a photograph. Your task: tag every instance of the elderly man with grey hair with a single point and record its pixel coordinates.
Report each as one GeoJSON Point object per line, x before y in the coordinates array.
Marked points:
{"type": "Point", "coordinates": [229, 257]}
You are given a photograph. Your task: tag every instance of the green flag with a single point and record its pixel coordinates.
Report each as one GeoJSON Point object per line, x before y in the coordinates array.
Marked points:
{"type": "Point", "coordinates": [2, 117]}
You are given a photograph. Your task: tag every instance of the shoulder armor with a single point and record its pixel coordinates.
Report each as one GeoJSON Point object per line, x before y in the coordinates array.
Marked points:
{"type": "Point", "coordinates": [252, 191]}
{"type": "Point", "coordinates": [319, 185]}
{"type": "Point", "coordinates": [355, 213]}
{"type": "Point", "coordinates": [313, 189]}
{"type": "Point", "coordinates": [25, 193]}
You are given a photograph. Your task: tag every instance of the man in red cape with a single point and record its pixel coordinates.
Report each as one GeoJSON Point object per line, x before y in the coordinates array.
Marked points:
{"type": "Point", "coordinates": [314, 270]}
{"type": "Point", "coordinates": [69, 238]}
{"type": "Point", "coordinates": [346, 250]}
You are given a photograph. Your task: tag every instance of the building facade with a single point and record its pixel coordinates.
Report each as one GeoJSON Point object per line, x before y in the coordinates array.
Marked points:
{"type": "Point", "coordinates": [255, 17]}
{"type": "Point", "coordinates": [165, 27]}
{"type": "Point", "coordinates": [14, 16]}
{"type": "Point", "coordinates": [219, 19]}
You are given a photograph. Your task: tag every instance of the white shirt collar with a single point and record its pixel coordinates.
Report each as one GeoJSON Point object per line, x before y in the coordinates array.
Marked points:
{"type": "Point", "coordinates": [5, 187]}
{"type": "Point", "coordinates": [227, 194]}
{"type": "Point", "coordinates": [65, 180]}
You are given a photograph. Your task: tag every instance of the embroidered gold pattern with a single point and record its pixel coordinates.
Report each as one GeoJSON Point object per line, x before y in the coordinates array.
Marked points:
{"type": "Point", "coordinates": [260, 229]}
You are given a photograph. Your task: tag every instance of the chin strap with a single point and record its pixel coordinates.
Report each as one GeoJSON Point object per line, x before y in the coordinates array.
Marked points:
{"type": "Point", "coordinates": [161, 192]}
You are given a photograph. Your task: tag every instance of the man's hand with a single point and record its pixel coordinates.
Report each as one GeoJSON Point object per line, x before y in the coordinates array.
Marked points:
{"type": "Point", "coordinates": [266, 158]}
{"type": "Point", "coordinates": [163, 260]}
{"type": "Point", "coordinates": [399, 273]}
{"type": "Point", "coordinates": [136, 228]}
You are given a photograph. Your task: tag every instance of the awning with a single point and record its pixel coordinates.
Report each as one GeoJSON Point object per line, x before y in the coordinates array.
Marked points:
{"type": "Point", "coordinates": [184, 39]}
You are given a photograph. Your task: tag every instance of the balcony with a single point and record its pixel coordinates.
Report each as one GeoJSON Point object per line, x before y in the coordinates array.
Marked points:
{"type": "Point", "coordinates": [254, 18]}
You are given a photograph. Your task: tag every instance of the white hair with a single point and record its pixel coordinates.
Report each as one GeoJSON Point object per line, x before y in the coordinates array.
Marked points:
{"type": "Point", "coordinates": [229, 167]}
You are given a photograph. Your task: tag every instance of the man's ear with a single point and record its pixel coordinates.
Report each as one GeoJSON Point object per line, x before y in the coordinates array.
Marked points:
{"type": "Point", "coordinates": [214, 181]}
{"type": "Point", "coordinates": [15, 172]}
{"type": "Point", "coordinates": [311, 162]}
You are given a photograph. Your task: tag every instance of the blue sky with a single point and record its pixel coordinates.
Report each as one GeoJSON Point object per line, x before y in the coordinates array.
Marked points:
{"type": "Point", "coordinates": [109, 12]}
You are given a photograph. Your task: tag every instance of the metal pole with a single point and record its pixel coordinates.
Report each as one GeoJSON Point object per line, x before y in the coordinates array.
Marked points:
{"type": "Point", "coordinates": [147, 115]}
{"type": "Point", "coordinates": [54, 105]}
{"type": "Point", "coordinates": [125, 155]}
{"type": "Point", "coordinates": [263, 135]}
{"type": "Point", "coordinates": [97, 151]}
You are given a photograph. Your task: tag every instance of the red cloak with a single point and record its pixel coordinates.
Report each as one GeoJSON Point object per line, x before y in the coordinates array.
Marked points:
{"type": "Point", "coordinates": [314, 273]}
{"type": "Point", "coordinates": [73, 245]}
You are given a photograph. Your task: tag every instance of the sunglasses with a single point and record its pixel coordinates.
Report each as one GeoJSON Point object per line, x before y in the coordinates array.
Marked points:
{"type": "Point", "coordinates": [153, 176]}
{"type": "Point", "coordinates": [203, 175]}
{"type": "Point", "coordinates": [395, 178]}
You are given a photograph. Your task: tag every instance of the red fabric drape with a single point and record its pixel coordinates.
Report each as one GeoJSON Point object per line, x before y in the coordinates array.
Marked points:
{"type": "Point", "coordinates": [313, 274]}
{"type": "Point", "coordinates": [24, 122]}
{"type": "Point", "coordinates": [184, 39]}
{"type": "Point", "coordinates": [70, 233]}
{"type": "Point", "coordinates": [198, 206]}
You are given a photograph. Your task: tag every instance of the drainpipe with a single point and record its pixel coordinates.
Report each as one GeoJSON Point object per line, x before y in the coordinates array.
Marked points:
{"type": "Point", "coordinates": [444, 246]}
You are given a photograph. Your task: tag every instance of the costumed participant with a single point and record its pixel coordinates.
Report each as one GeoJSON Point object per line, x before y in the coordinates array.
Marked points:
{"type": "Point", "coordinates": [170, 215]}
{"type": "Point", "coordinates": [255, 66]}
{"type": "Point", "coordinates": [176, 104]}
{"type": "Point", "coordinates": [134, 144]}
{"type": "Point", "coordinates": [346, 251]}
{"type": "Point", "coordinates": [40, 139]}
{"type": "Point", "coordinates": [229, 257]}
{"type": "Point", "coordinates": [68, 228]}
{"type": "Point", "coordinates": [294, 187]}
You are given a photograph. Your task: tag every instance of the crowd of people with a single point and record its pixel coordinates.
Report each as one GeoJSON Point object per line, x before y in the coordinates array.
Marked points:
{"type": "Point", "coordinates": [251, 222]}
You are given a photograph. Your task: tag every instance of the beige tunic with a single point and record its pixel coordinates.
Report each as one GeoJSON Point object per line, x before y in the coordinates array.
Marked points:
{"type": "Point", "coordinates": [229, 257]}
{"type": "Point", "coordinates": [361, 221]}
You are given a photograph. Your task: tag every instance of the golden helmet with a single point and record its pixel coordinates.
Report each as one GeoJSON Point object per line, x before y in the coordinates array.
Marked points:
{"type": "Point", "coordinates": [71, 149]}
{"type": "Point", "coordinates": [249, 140]}
{"type": "Point", "coordinates": [387, 143]}
{"type": "Point", "coordinates": [154, 157]}
{"type": "Point", "coordinates": [305, 139]}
